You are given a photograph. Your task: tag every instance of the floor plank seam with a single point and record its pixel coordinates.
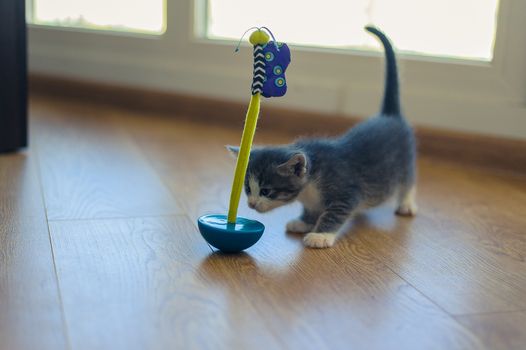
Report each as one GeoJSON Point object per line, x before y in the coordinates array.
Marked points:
{"type": "Point", "coordinates": [136, 146]}
{"type": "Point", "coordinates": [195, 225]}
{"type": "Point", "coordinates": [143, 155]}
{"type": "Point", "coordinates": [424, 295]}
{"type": "Point", "coordinates": [57, 280]}
{"type": "Point", "coordinates": [131, 217]}
{"type": "Point", "coordinates": [110, 218]}
{"type": "Point", "coordinates": [489, 313]}
{"type": "Point", "coordinates": [446, 313]}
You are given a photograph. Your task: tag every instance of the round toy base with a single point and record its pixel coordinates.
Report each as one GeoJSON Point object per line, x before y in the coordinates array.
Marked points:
{"type": "Point", "coordinates": [230, 238]}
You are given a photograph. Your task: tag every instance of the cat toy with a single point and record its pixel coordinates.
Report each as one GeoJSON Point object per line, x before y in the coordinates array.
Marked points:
{"type": "Point", "coordinates": [230, 233]}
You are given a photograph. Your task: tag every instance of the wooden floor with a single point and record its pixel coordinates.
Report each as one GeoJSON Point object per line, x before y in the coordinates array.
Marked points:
{"type": "Point", "coordinates": [99, 250]}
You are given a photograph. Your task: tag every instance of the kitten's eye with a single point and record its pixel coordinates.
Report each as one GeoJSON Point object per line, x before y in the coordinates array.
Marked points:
{"type": "Point", "coordinates": [247, 189]}
{"type": "Point", "coordinates": [264, 192]}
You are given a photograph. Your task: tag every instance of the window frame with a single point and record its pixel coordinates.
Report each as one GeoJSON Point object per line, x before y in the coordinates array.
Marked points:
{"type": "Point", "coordinates": [476, 96]}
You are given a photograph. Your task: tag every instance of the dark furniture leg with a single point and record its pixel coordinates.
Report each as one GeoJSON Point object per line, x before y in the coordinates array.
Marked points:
{"type": "Point", "coordinates": [13, 75]}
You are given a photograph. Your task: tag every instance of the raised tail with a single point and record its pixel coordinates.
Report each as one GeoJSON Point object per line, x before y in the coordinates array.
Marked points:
{"type": "Point", "coordinates": [391, 103]}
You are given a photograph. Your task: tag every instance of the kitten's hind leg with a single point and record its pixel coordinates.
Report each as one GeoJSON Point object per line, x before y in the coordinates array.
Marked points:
{"type": "Point", "coordinates": [326, 230]}
{"type": "Point", "coordinates": [304, 223]}
{"type": "Point", "coordinates": [407, 201]}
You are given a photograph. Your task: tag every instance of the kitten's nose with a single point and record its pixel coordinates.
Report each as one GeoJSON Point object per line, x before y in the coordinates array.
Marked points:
{"type": "Point", "coordinates": [251, 205]}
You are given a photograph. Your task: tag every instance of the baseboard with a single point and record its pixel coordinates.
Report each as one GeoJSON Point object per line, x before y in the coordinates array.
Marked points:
{"type": "Point", "coordinates": [475, 149]}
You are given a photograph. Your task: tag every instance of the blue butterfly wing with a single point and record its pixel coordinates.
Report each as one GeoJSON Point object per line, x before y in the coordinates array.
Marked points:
{"type": "Point", "coordinates": [276, 63]}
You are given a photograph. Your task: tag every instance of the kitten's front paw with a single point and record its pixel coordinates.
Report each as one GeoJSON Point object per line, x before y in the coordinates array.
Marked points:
{"type": "Point", "coordinates": [407, 209]}
{"type": "Point", "coordinates": [319, 240]}
{"type": "Point", "coordinates": [298, 226]}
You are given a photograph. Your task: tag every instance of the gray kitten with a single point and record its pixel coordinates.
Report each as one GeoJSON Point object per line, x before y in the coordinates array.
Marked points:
{"type": "Point", "coordinates": [335, 178]}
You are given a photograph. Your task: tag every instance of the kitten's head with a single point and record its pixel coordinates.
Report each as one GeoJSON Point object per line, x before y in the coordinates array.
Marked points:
{"type": "Point", "coordinates": [275, 176]}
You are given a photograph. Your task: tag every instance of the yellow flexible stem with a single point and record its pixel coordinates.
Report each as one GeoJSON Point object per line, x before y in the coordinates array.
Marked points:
{"type": "Point", "coordinates": [243, 156]}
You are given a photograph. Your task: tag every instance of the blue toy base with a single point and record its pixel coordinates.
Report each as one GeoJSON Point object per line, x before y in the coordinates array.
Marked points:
{"type": "Point", "coordinates": [230, 238]}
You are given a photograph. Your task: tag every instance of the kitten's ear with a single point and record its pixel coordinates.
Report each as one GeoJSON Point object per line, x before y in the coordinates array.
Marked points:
{"type": "Point", "coordinates": [233, 150]}
{"type": "Point", "coordinates": [296, 165]}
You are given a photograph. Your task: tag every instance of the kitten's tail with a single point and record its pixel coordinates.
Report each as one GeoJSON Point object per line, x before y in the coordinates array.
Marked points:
{"type": "Point", "coordinates": [391, 103]}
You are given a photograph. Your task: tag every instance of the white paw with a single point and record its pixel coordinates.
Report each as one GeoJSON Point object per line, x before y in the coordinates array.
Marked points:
{"type": "Point", "coordinates": [407, 210]}
{"type": "Point", "coordinates": [298, 226]}
{"type": "Point", "coordinates": [319, 240]}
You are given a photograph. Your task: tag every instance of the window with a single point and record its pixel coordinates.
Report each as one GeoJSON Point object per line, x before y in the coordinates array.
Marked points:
{"type": "Point", "coordinates": [484, 92]}
{"type": "Point", "coordinates": [142, 16]}
{"type": "Point", "coordinates": [450, 28]}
